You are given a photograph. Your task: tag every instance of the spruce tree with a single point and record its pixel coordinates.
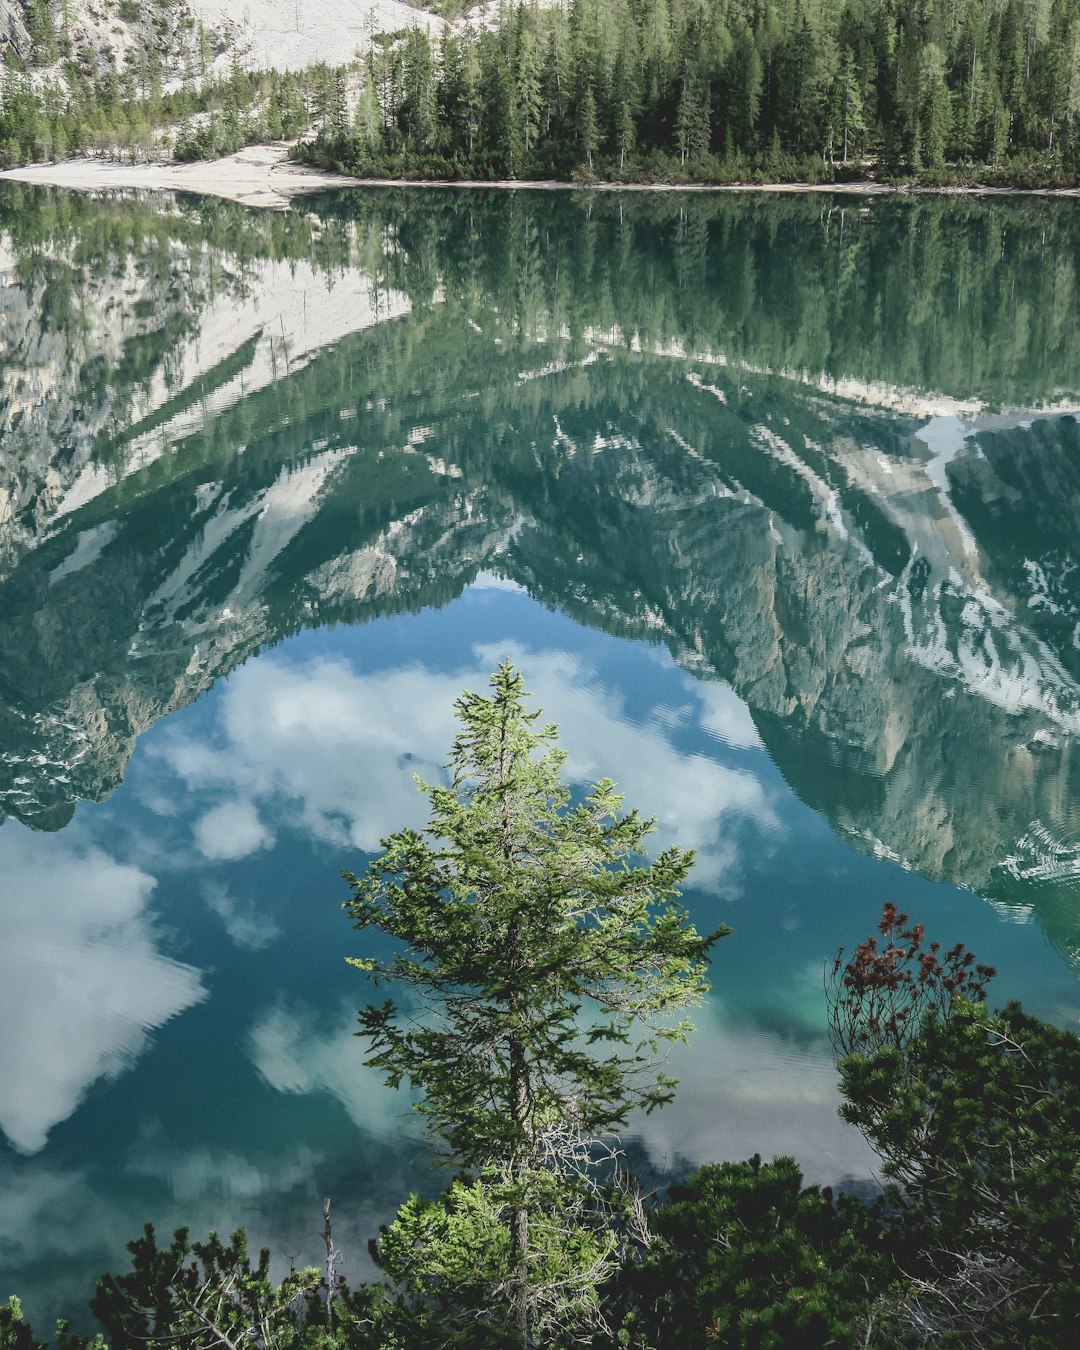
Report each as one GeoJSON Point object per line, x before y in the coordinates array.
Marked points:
{"type": "Point", "coordinates": [547, 960]}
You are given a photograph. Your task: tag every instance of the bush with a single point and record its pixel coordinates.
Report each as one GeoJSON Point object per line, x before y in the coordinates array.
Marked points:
{"type": "Point", "coordinates": [746, 1257]}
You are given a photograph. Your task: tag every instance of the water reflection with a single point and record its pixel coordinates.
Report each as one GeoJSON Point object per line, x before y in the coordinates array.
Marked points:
{"type": "Point", "coordinates": [63, 1224]}
{"type": "Point", "coordinates": [757, 1084]}
{"type": "Point", "coordinates": [300, 1050]}
{"type": "Point", "coordinates": [246, 925]}
{"type": "Point", "coordinates": [814, 459]}
{"type": "Point", "coordinates": [79, 951]}
{"type": "Point", "coordinates": [325, 748]}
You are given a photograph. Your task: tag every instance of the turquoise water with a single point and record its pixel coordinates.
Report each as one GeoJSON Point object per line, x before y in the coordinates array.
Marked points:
{"type": "Point", "coordinates": [778, 522]}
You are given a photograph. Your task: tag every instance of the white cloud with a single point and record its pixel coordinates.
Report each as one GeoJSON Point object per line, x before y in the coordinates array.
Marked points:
{"type": "Point", "coordinates": [725, 716]}
{"type": "Point", "coordinates": [246, 924]}
{"type": "Point", "coordinates": [81, 979]}
{"type": "Point", "coordinates": [333, 752]}
{"type": "Point", "coordinates": [199, 1174]}
{"type": "Point", "coordinates": [337, 747]}
{"type": "Point", "coordinates": [50, 1206]}
{"type": "Point", "coordinates": [740, 1089]}
{"type": "Point", "coordinates": [230, 831]}
{"type": "Point", "coordinates": [492, 581]}
{"type": "Point", "coordinates": [744, 1091]}
{"type": "Point", "coordinates": [58, 1234]}
{"type": "Point", "coordinates": [697, 801]}
{"type": "Point", "coordinates": [63, 1226]}
{"type": "Point", "coordinates": [294, 1051]}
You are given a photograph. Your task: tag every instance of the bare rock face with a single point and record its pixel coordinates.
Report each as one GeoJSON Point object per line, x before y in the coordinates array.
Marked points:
{"type": "Point", "coordinates": [109, 35]}
{"type": "Point", "coordinates": [101, 651]}
{"type": "Point", "coordinates": [70, 329]}
{"type": "Point", "coordinates": [930, 723]}
{"type": "Point", "coordinates": [13, 33]}
{"type": "Point", "coordinates": [48, 424]}
{"type": "Point", "coordinates": [193, 37]}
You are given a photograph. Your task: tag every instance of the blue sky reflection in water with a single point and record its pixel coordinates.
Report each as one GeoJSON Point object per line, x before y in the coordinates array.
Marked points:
{"type": "Point", "coordinates": [821, 622]}
{"type": "Point", "coordinates": [206, 892]}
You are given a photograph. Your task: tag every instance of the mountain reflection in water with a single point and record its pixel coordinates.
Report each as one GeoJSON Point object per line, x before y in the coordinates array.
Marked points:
{"type": "Point", "coordinates": [821, 451]}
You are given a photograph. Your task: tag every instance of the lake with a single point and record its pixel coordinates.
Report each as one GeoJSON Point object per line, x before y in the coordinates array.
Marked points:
{"type": "Point", "coordinates": [775, 501]}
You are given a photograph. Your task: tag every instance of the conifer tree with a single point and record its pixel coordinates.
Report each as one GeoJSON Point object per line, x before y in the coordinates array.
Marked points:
{"type": "Point", "coordinates": [587, 128]}
{"type": "Point", "coordinates": [548, 960]}
{"type": "Point", "coordinates": [528, 101]}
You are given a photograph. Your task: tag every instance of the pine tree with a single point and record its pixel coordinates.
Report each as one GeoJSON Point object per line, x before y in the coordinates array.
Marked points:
{"type": "Point", "coordinates": [368, 124]}
{"type": "Point", "coordinates": [692, 120]}
{"type": "Point", "coordinates": [528, 100]}
{"type": "Point", "coordinates": [934, 111]}
{"type": "Point", "coordinates": [417, 108]}
{"type": "Point", "coordinates": [624, 132]}
{"type": "Point", "coordinates": [588, 130]}
{"type": "Point", "coordinates": [549, 961]}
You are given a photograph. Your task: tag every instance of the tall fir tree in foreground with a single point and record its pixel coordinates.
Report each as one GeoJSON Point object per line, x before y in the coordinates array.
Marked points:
{"type": "Point", "coordinates": [547, 962]}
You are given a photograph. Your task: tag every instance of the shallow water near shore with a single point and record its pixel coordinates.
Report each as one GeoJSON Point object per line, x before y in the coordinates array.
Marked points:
{"type": "Point", "coordinates": [774, 501]}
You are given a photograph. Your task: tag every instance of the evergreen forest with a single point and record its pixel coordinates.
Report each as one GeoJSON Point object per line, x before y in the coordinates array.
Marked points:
{"type": "Point", "coordinates": [738, 90]}
{"type": "Point", "coordinates": [712, 91]}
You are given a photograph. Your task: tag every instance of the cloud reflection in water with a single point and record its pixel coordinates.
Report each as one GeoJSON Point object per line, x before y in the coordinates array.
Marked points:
{"type": "Point", "coordinates": [82, 981]}
{"type": "Point", "coordinates": [332, 751]}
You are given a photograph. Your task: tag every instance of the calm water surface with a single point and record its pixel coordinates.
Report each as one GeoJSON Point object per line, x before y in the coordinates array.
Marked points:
{"type": "Point", "coordinates": [774, 501]}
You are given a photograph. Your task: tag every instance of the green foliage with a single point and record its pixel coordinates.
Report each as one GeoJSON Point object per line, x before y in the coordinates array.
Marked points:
{"type": "Point", "coordinates": [17, 1334]}
{"type": "Point", "coordinates": [623, 88]}
{"type": "Point", "coordinates": [978, 1120]}
{"type": "Point", "coordinates": [199, 1295]}
{"type": "Point", "coordinates": [188, 1292]}
{"type": "Point", "coordinates": [975, 1114]}
{"type": "Point", "coordinates": [41, 26]}
{"type": "Point", "coordinates": [744, 1257]}
{"type": "Point", "coordinates": [966, 1107]}
{"type": "Point", "coordinates": [90, 111]}
{"type": "Point", "coordinates": [540, 942]}
{"type": "Point", "coordinates": [456, 1257]}
{"type": "Point", "coordinates": [453, 1251]}
{"type": "Point", "coordinates": [15, 1331]}
{"type": "Point", "coordinates": [549, 961]}
{"type": "Point", "coordinates": [734, 93]}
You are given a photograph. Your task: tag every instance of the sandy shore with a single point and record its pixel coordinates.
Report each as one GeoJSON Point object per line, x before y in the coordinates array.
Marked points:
{"type": "Point", "coordinates": [263, 175]}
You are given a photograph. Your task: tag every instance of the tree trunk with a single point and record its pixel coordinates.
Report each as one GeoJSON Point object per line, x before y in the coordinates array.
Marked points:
{"type": "Point", "coordinates": [519, 1217]}
{"type": "Point", "coordinates": [519, 1304]}
{"type": "Point", "coordinates": [519, 1087]}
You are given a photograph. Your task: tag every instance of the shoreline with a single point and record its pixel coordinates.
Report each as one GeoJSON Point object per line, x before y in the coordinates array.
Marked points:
{"type": "Point", "coordinates": [259, 175]}
{"type": "Point", "coordinates": [264, 176]}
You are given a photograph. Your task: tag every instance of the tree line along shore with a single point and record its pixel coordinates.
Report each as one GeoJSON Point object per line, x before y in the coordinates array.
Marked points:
{"type": "Point", "coordinates": [938, 92]}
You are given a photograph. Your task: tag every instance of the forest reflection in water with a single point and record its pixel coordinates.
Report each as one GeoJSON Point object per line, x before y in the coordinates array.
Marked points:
{"type": "Point", "coordinates": [775, 500]}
